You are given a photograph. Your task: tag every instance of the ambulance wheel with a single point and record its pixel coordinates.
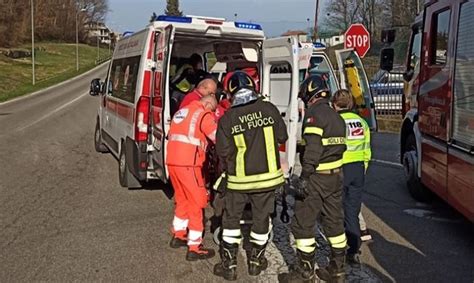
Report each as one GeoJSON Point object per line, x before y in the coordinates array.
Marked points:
{"type": "Point", "coordinates": [217, 236]}
{"type": "Point", "coordinates": [410, 163]}
{"type": "Point", "coordinates": [126, 178]}
{"type": "Point", "coordinates": [98, 144]}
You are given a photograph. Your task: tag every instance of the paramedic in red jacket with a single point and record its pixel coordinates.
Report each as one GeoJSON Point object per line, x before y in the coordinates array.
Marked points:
{"type": "Point", "coordinates": [191, 128]}
{"type": "Point", "coordinates": [204, 88]}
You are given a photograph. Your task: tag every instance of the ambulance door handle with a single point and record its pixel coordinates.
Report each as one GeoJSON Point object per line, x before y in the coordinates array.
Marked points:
{"type": "Point", "coordinates": [283, 114]}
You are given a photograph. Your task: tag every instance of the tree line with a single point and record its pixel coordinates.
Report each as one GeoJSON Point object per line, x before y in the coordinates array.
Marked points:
{"type": "Point", "coordinates": [53, 19]}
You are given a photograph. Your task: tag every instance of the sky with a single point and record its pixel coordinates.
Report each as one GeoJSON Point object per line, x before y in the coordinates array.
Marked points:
{"type": "Point", "coordinates": [276, 16]}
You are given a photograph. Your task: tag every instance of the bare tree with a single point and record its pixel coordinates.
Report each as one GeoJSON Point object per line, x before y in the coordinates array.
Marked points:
{"type": "Point", "coordinates": [343, 13]}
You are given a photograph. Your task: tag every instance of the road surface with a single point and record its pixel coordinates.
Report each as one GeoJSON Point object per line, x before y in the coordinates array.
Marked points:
{"type": "Point", "coordinates": [64, 216]}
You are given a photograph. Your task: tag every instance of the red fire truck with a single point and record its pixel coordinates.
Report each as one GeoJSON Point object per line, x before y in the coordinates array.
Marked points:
{"type": "Point", "coordinates": [437, 134]}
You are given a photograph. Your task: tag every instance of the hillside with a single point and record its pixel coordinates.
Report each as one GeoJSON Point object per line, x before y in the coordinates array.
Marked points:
{"type": "Point", "coordinates": [55, 62]}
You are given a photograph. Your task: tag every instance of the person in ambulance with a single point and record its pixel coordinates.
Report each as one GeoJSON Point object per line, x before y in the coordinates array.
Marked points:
{"type": "Point", "coordinates": [191, 129]}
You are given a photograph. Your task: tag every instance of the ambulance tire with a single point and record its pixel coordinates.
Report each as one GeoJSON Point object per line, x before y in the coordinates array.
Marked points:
{"type": "Point", "coordinates": [98, 144]}
{"type": "Point", "coordinates": [410, 163]}
{"type": "Point", "coordinates": [126, 178]}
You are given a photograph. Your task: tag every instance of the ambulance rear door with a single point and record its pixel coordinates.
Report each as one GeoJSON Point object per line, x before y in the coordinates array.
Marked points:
{"type": "Point", "coordinates": [353, 77]}
{"type": "Point", "coordinates": [280, 86]}
{"type": "Point", "coordinates": [161, 99]}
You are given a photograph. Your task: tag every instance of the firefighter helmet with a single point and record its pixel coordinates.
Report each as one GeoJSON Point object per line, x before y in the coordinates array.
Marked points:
{"type": "Point", "coordinates": [238, 80]}
{"type": "Point", "coordinates": [313, 86]}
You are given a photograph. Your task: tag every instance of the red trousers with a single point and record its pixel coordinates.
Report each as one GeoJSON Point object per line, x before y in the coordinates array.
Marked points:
{"type": "Point", "coordinates": [191, 198]}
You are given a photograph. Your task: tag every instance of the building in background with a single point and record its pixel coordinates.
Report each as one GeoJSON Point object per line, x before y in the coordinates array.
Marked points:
{"type": "Point", "coordinates": [303, 36]}
{"type": "Point", "coordinates": [98, 30]}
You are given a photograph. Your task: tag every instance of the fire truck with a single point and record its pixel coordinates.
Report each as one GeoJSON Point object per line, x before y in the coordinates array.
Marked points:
{"type": "Point", "coordinates": [437, 133]}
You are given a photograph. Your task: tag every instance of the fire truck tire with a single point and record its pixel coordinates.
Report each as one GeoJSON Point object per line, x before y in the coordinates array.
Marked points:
{"type": "Point", "coordinates": [126, 178]}
{"type": "Point", "coordinates": [99, 145]}
{"type": "Point", "coordinates": [410, 163]}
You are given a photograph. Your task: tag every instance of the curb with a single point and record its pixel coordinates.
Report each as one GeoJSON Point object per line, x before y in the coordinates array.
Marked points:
{"type": "Point", "coordinates": [29, 95]}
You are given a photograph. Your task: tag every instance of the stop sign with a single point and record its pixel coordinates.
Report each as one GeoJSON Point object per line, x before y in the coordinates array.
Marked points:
{"type": "Point", "coordinates": [357, 37]}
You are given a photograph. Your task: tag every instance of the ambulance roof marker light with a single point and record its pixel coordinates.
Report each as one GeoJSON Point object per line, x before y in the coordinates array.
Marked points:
{"type": "Point", "coordinates": [248, 25]}
{"type": "Point", "coordinates": [174, 19]}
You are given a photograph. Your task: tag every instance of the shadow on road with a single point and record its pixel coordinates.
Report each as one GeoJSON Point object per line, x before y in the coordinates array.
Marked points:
{"type": "Point", "coordinates": [424, 243]}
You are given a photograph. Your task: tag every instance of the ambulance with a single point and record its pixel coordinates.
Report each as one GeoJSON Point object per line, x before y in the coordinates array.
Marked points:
{"type": "Point", "coordinates": [134, 114]}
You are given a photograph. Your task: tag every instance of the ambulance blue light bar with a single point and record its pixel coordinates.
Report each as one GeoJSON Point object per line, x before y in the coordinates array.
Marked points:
{"type": "Point", "coordinates": [174, 19]}
{"type": "Point", "coordinates": [318, 45]}
{"type": "Point", "coordinates": [248, 25]}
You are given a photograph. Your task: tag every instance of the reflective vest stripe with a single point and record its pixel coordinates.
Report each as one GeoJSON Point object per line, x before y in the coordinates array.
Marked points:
{"type": "Point", "coordinates": [313, 130]}
{"type": "Point", "coordinates": [255, 178]}
{"type": "Point", "coordinates": [334, 141]}
{"type": "Point", "coordinates": [240, 159]}
{"type": "Point", "coordinates": [190, 138]}
{"type": "Point", "coordinates": [270, 147]}
{"type": "Point", "coordinates": [194, 120]}
{"type": "Point", "coordinates": [185, 139]}
{"type": "Point", "coordinates": [329, 165]}
{"type": "Point", "coordinates": [256, 185]}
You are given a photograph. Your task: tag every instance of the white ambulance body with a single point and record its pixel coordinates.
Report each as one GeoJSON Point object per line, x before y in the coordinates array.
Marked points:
{"type": "Point", "coordinates": [134, 113]}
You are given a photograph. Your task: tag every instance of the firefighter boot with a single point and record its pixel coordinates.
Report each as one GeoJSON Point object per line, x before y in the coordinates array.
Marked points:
{"type": "Point", "coordinates": [257, 261]}
{"type": "Point", "coordinates": [198, 252]}
{"type": "Point", "coordinates": [334, 272]}
{"type": "Point", "coordinates": [303, 272]}
{"type": "Point", "coordinates": [227, 268]}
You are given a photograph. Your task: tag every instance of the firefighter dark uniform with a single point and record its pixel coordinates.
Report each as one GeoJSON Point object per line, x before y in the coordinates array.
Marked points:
{"type": "Point", "coordinates": [356, 160]}
{"type": "Point", "coordinates": [324, 134]}
{"type": "Point", "coordinates": [247, 145]}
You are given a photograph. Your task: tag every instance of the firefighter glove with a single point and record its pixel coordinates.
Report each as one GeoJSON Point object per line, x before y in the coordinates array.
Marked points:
{"type": "Point", "coordinates": [221, 184]}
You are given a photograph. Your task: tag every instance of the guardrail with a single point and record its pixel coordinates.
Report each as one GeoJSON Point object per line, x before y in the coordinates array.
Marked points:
{"type": "Point", "coordinates": [102, 60]}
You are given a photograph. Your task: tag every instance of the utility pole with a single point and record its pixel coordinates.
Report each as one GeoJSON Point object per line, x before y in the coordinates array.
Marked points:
{"type": "Point", "coordinates": [33, 40]}
{"type": "Point", "coordinates": [315, 30]}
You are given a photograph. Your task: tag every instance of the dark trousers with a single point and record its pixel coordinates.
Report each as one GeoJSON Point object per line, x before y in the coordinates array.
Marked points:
{"type": "Point", "coordinates": [263, 204]}
{"type": "Point", "coordinates": [354, 176]}
{"type": "Point", "coordinates": [325, 197]}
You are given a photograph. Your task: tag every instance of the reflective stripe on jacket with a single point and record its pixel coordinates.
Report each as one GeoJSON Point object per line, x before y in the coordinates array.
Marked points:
{"type": "Point", "coordinates": [324, 134]}
{"type": "Point", "coordinates": [190, 129]}
{"type": "Point", "coordinates": [247, 146]}
{"type": "Point", "coordinates": [357, 139]}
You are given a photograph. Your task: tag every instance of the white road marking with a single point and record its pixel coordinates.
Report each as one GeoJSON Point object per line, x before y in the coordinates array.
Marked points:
{"type": "Point", "coordinates": [52, 112]}
{"type": "Point", "coordinates": [395, 164]}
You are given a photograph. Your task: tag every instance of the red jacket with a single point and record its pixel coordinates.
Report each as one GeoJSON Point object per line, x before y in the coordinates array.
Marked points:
{"type": "Point", "coordinates": [223, 106]}
{"type": "Point", "coordinates": [187, 138]}
{"type": "Point", "coordinates": [190, 97]}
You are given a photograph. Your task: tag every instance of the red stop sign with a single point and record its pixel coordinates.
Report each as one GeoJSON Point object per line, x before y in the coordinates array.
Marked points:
{"type": "Point", "coordinates": [357, 37]}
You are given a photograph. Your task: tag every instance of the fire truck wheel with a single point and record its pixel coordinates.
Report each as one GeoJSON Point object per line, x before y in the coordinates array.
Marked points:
{"type": "Point", "coordinates": [99, 146]}
{"type": "Point", "coordinates": [410, 164]}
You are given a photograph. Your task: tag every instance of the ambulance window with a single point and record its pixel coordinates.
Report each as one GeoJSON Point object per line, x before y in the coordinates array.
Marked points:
{"type": "Point", "coordinates": [440, 37]}
{"type": "Point", "coordinates": [124, 78]}
{"type": "Point", "coordinates": [463, 108]}
{"type": "Point", "coordinates": [280, 85]}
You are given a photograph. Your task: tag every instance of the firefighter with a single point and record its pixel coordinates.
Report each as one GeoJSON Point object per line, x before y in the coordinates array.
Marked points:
{"type": "Point", "coordinates": [247, 146]}
{"type": "Point", "coordinates": [190, 130]}
{"type": "Point", "coordinates": [356, 161]}
{"type": "Point", "coordinates": [319, 187]}
{"type": "Point", "coordinates": [184, 80]}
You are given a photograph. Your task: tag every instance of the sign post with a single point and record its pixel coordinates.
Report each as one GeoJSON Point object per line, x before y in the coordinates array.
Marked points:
{"type": "Point", "coordinates": [357, 37]}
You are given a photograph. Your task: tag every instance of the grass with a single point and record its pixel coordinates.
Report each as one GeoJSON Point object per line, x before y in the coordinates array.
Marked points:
{"type": "Point", "coordinates": [55, 63]}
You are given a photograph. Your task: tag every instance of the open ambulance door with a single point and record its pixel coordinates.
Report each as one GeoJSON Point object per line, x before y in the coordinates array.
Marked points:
{"type": "Point", "coordinates": [280, 86]}
{"type": "Point", "coordinates": [161, 99]}
{"type": "Point", "coordinates": [353, 77]}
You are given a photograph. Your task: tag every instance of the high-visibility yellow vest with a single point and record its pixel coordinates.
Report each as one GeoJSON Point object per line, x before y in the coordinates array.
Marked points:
{"type": "Point", "coordinates": [357, 139]}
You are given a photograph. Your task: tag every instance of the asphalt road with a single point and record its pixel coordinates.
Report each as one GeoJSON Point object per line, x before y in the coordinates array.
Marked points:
{"type": "Point", "coordinates": [64, 216]}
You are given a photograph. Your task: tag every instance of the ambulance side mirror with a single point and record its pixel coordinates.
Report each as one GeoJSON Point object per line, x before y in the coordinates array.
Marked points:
{"type": "Point", "coordinates": [95, 87]}
{"type": "Point", "coordinates": [386, 59]}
